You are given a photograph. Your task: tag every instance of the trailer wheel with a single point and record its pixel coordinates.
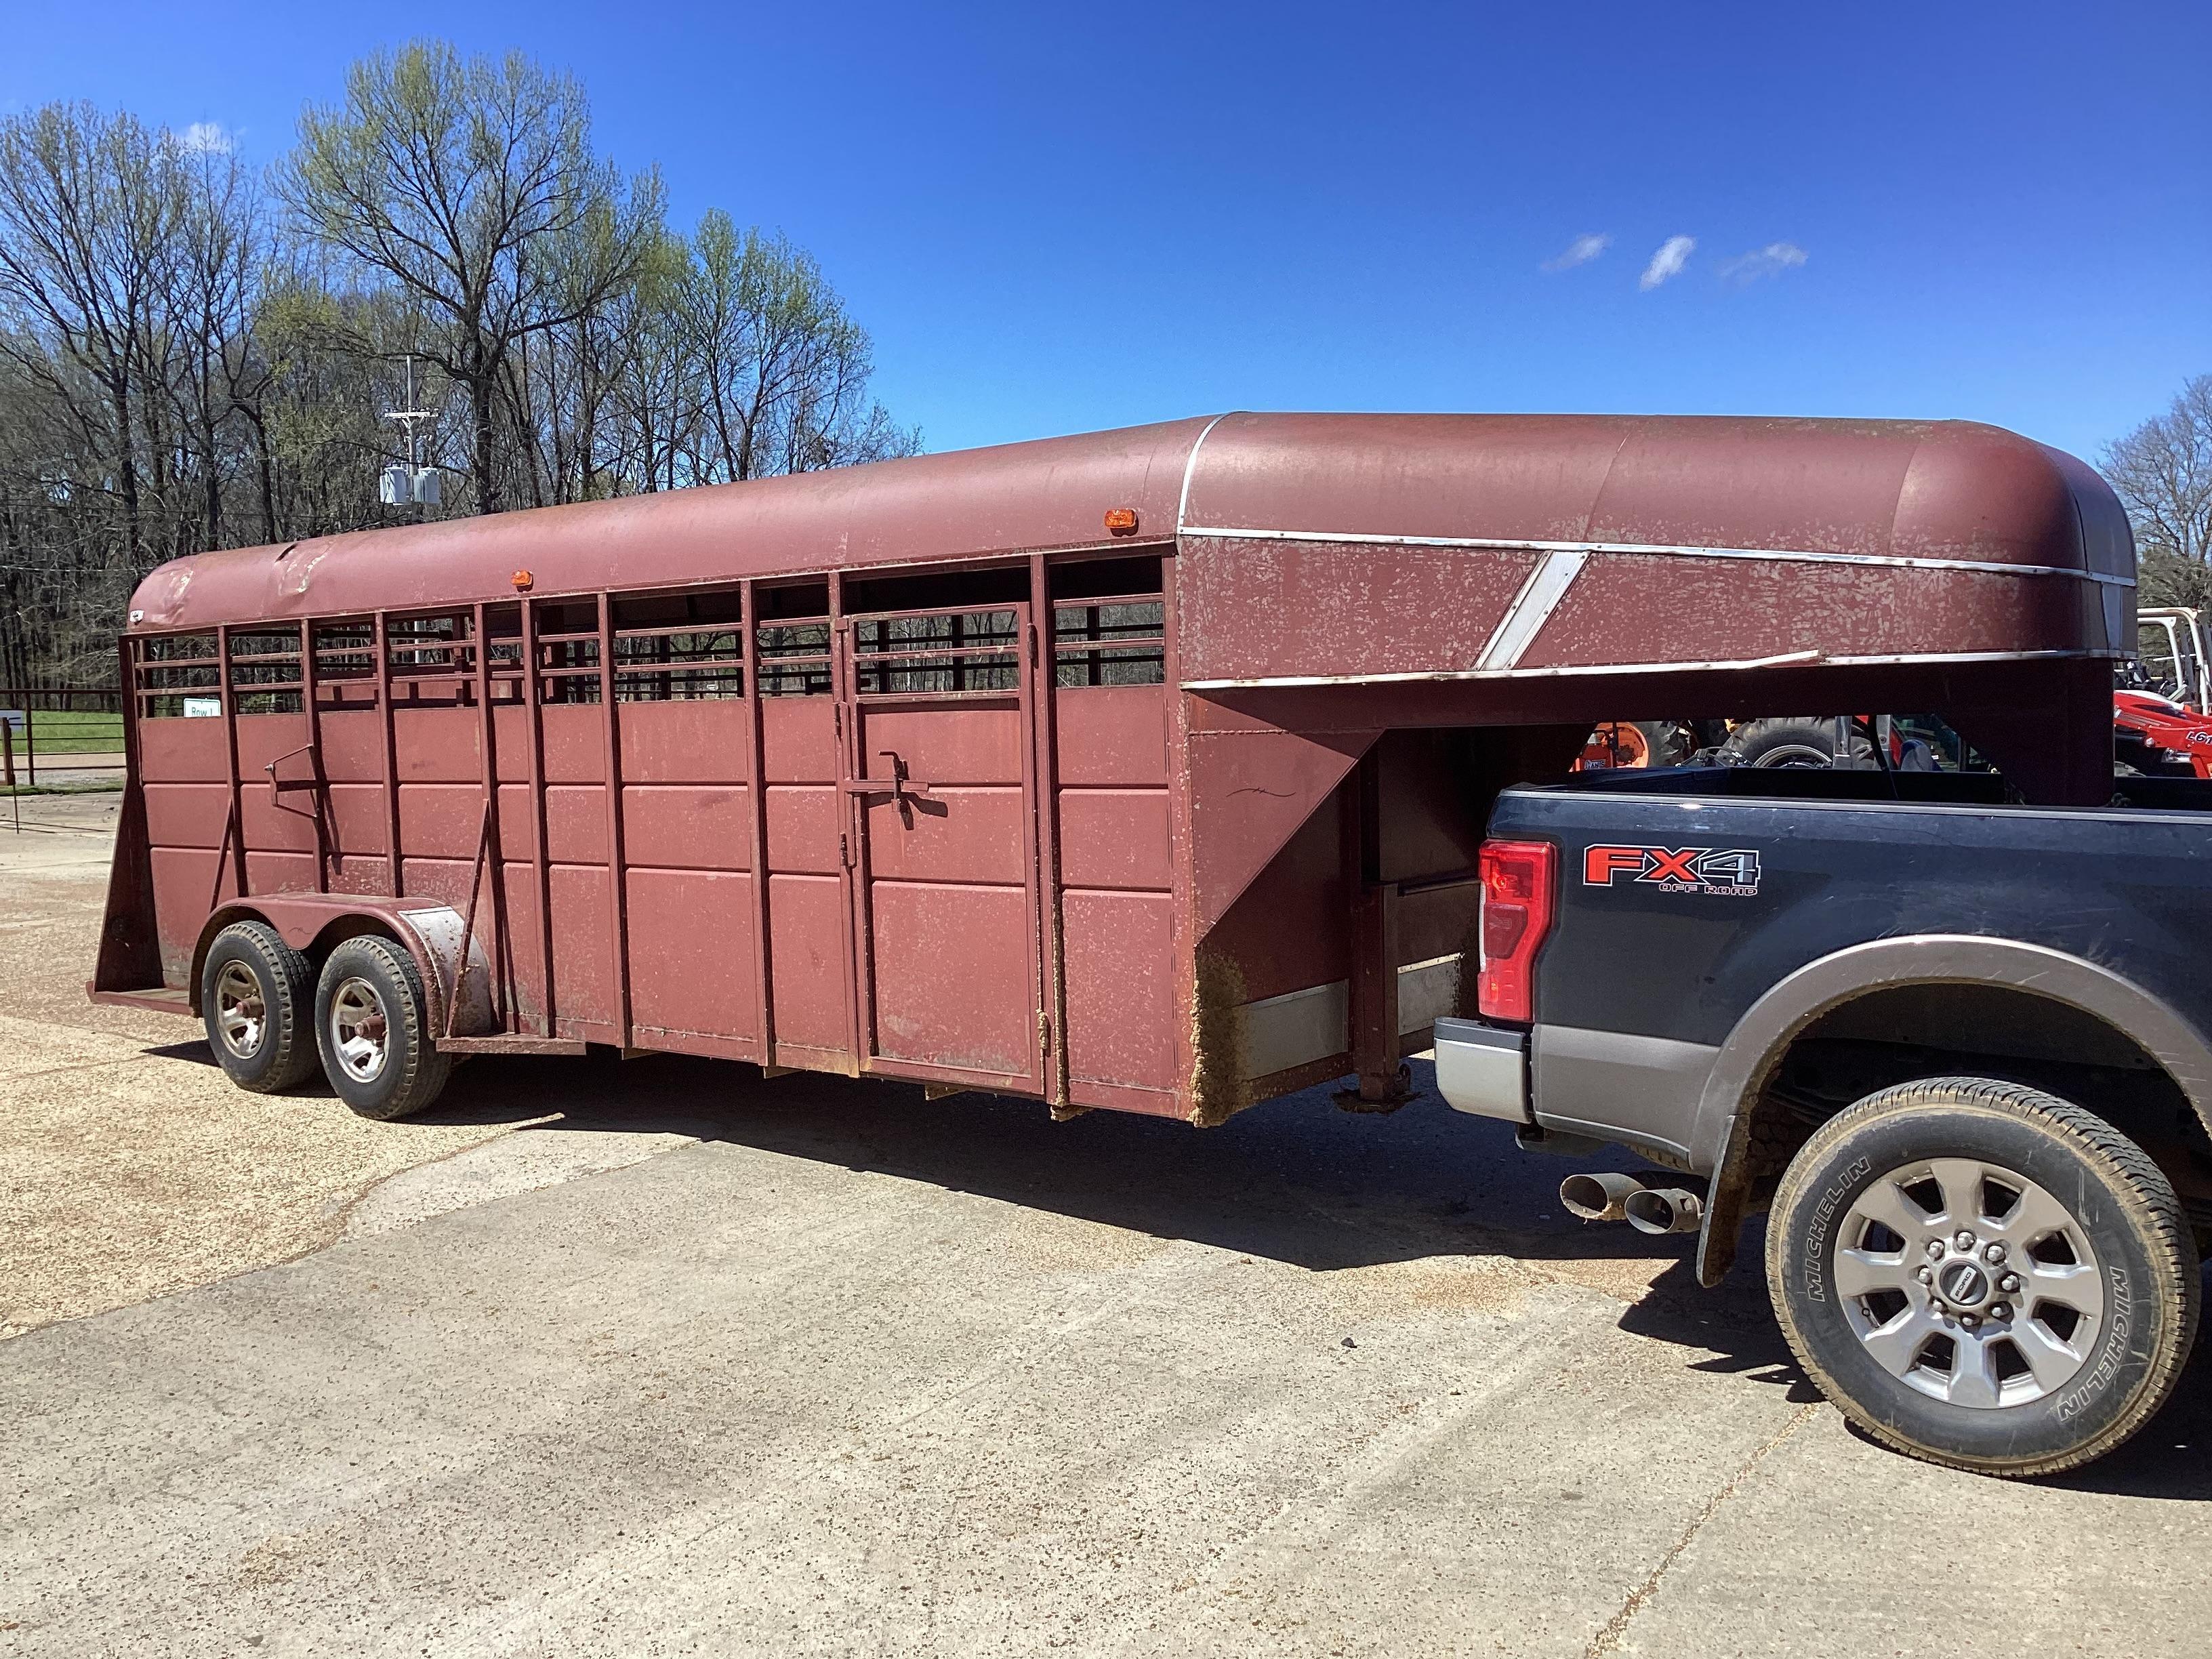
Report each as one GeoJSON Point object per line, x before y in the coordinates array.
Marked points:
{"type": "Point", "coordinates": [256, 993]}
{"type": "Point", "coordinates": [373, 1025]}
{"type": "Point", "coordinates": [1983, 1275]}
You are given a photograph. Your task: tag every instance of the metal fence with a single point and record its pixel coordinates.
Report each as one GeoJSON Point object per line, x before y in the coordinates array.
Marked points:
{"type": "Point", "coordinates": [57, 736]}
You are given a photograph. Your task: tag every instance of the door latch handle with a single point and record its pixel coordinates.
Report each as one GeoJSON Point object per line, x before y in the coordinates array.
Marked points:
{"type": "Point", "coordinates": [898, 786]}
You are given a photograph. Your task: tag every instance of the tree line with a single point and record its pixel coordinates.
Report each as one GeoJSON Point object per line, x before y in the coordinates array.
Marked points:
{"type": "Point", "coordinates": [2162, 472]}
{"type": "Point", "coordinates": [197, 353]}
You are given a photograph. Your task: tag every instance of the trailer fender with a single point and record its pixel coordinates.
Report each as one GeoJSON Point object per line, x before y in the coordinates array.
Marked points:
{"type": "Point", "coordinates": [456, 972]}
{"type": "Point", "coordinates": [1722, 1140]}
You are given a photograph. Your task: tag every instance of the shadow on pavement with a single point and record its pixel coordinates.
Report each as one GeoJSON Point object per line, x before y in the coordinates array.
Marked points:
{"type": "Point", "coordinates": [1295, 1180]}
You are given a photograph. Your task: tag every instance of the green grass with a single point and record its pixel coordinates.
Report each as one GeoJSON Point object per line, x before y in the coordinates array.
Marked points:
{"type": "Point", "coordinates": [92, 787]}
{"type": "Point", "coordinates": [74, 732]}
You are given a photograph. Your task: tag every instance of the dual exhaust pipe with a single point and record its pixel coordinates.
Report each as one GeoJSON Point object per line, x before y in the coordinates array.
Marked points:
{"type": "Point", "coordinates": [1624, 1198]}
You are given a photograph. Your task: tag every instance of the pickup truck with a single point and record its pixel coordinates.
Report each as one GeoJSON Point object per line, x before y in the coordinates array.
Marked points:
{"type": "Point", "coordinates": [1957, 1048]}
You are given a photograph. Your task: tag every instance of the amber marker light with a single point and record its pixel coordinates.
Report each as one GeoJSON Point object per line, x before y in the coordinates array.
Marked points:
{"type": "Point", "coordinates": [522, 581]}
{"type": "Point", "coordinates": [1121, 519]}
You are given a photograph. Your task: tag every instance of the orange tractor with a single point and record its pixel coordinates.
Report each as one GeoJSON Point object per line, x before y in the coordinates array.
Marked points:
{"type": "Point", "coordinates": [2161, 723]}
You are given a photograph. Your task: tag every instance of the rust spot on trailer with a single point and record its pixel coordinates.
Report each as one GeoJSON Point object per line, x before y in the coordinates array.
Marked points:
{"type": "Point", "coordinates": [1217, 1087]}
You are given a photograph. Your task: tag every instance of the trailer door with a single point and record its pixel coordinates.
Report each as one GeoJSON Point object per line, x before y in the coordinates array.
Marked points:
{"type": "Point", "coordinates": [940, 716]}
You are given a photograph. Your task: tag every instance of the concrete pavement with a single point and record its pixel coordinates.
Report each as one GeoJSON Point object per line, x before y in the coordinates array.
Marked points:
{"type": "Point", "coordinates": [852, 1373]}
{"type": "Point", "coordinates": [658, 1357]}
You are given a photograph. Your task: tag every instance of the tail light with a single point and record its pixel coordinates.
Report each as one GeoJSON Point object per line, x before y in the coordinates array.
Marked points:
{"type": "Point", "coordinates": [1517, 913]}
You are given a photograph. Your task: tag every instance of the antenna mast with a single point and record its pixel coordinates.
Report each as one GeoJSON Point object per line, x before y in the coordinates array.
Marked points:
{"type": "Point", "coordinates": [413, 485]}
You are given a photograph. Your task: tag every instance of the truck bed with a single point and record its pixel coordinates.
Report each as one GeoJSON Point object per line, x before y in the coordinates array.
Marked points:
{"type": "Point", "coordinates": [1685, 896]}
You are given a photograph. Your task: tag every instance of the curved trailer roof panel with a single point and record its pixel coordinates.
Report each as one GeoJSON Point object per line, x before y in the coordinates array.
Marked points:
{"type": "Point", "coordinates": [1423, 545]}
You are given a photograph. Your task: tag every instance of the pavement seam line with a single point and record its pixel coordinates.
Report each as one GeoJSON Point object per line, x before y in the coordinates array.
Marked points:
{"type": "Point", "coordinates": [76, 1065]}
{"type": "Point", "coordinates": [1608, 1640]}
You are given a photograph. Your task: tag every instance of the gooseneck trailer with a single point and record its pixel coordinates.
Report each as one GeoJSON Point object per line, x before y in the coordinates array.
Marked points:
{"type": "Point", "coordinates": [1146, 770]}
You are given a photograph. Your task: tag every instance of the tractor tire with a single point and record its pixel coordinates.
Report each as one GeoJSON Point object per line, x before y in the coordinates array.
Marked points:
{"type": "Point", "coordinates": [1669, 743]}
{"type": "Point", "coordinates": [1798, 741]}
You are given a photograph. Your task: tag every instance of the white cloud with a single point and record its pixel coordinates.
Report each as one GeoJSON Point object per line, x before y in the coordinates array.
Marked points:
{"type": "Point", "coordinates": [1580, 252]}
{"type": "Point", "coordinates": [207, 138]}
{"type": "Point", "coordinates": [1769, 261]}
{"type": "Point", "coordinates": [1673, 253]}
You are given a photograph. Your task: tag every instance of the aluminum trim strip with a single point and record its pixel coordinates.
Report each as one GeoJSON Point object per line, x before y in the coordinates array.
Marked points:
{"type": "Point", "coordinates": [1796, 658]}
{"type": "Point", "coordinates": [1297, 1028]}
{"type": "Point", "coordinates": [1667, 550]}
{"type": "Point", "coordinates": [1531, 609]}
{"type": "Point", "coordinates": [1190, 467]}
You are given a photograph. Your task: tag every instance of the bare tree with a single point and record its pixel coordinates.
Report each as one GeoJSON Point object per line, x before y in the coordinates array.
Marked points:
{"type": "Point", "coordinates": [182, 367]}
{"type": "Point", "coordinates": [465, 182]}
{"type": "Point", "coordinates": [211, 295]}
{"type": "Point", "coordinates": [87, 210]}
{"type": "Point", "coordinates": [782, 367]}
{"type": "Point", "coordinates": [2162, 472]}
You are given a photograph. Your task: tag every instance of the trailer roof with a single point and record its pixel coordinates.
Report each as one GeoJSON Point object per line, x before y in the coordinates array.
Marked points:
{"type": "Point", "coordinates": [1901, 495]}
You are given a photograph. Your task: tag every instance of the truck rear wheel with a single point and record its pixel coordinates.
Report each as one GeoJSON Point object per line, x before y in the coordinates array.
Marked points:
{"type": "Point", "coordinates": [1983, 1275]}
{"type": "Point", "coordinates": [256, 995]}
{"type": "Point", "coordinates": [372, 1024]}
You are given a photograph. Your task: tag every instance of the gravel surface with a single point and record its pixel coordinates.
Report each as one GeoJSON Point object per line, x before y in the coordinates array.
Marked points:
{"type": "Point", "coordinates": [129, 1166]}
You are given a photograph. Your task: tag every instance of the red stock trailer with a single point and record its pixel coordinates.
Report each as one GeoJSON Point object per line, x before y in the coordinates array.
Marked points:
{"type": "Point", "coordinates": [1144, 769]}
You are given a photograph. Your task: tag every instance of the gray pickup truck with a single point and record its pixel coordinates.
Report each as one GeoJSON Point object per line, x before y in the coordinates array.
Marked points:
{"type": "Point", "coordinates": [1958, 1050]}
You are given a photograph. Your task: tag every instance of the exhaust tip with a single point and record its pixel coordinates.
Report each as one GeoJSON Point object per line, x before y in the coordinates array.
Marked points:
{"type": "Point", "coordinates": [1598, 1197]}
{"type": "Point", "coordinates": [1664, 1210]}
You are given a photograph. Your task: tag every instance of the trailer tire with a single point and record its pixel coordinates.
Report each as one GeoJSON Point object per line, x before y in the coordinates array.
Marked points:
{"type": "Point", "coordinates": [373, 1027]}
{"type": "Point", "coordinates": [1936, 1285]}
{"type": "Point", "coordinates": [256, 995]}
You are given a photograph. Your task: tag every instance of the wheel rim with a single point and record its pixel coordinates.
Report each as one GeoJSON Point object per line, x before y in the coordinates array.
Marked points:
{"type": "Point", "coordinates": [1967, 1281]}
{"type": "Point", "coordinates": [240, 1014]}
{"type": "Point", "coordinates": [360, 1034]}
{"type": "Point", "coordinates": [1798, 756]}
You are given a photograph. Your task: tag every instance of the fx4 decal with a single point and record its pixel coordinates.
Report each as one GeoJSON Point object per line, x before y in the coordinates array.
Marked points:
{"type": "Point", "coordinates": [1732, 872]}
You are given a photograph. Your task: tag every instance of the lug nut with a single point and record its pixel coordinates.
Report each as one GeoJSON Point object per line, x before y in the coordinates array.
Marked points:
{"type": "Point", "coordinates": [2001, 1310]}
{"type": "Point", "coordinates": [1935, 1247]}
{"type": "Point", "coordinates": [1969, 1321]}
{"type": "Point", "coordinates": [2009, 1283]}
{"type": "Point", "coordinates": [1965, 1241]}
{"type": "Point", "coordinates": [1927, 1275]}
{"type": "Point", "coordinates": [1993, 1253]}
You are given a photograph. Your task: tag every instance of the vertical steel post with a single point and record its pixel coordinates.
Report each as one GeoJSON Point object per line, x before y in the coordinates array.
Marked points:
{"type": "Point", "coordinates": [1375, 994]}
{"type": "Point", "coordinates": [391, 753]}
{"type": "Point", "coordinates": [1040, 673]}
{"type": "Point", "coordinates": [307, 691]}
{"type": "Point", "coordinates": [1183, 933]}
{"type": "Point", "coordinates": [227, 696]}
{"type": "Point", "coordinates": [495, 866]}
{"type": "Point", "coordinates": [756, 795]}
{"type": "Point", "coordinates": [617, 905]}
{"type": "Point", "coordinates": [852, 825]}
{"type": "Point", "coordinates": [1372, 924]}
{"type": "Point", "coordinates": [534, 726]}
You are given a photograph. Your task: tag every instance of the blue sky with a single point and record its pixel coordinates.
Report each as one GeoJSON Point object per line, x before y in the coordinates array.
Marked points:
{"type": "Point", "coordinates": [1056, 218]}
